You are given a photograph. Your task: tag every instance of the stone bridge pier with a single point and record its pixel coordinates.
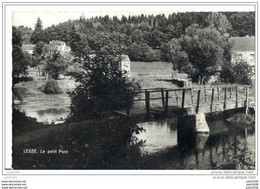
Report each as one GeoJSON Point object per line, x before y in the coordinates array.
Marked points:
{"type": "Point", "coordinates": [189, 126]}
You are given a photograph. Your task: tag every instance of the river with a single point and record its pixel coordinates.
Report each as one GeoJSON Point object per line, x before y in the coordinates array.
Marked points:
{"type": "Point", "coordinates": [225, 147]}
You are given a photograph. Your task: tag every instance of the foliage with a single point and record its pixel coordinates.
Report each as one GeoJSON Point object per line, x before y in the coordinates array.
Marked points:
{"type": "Point", "coordinates": [235, 156]}
{"type": "Point", "coordinates": [16, 37]}
{"type": "Point", "coordinates": [55, 65]}
{"type": "Point", "coordinates": [243, 23]}
{"type": "Point", "coordinates": [22, 79]}
{"type": "Point", "coordinates": [102, 86]}
{"type": "Point", "coordinates": [78, 43]}
{"type": "Point", "coordinates": [22, 124]}
{"type": "Point", "coordinates": [38, 34]}
{"type": "Point", "coordinates": [51, 87]}
{"type": "Point", "coordinates": [19, 62]}
{"type": "Point", "coordinates": [137, 36]}
{"type": "Point", "coordinates": [153, 30]}
{"type": "Point", "coordinates": [53, 60]}
{"type": "Point", "coordinates": [38, 49]}
{"type": "Point", "coordinates": [220, 22]}
{"type": "Point", "coordinates": [243, 120]}
{"type": "Point", "coordinates": [102, 146]}
{"type": "Point", "coordinates": [26, 34]}
{"type": "Point", "coordinates": [142, 52]}
{"type": "Point", "coordinates": [237, 72]}
{"type": "Point", "coordinates": [197, 51]}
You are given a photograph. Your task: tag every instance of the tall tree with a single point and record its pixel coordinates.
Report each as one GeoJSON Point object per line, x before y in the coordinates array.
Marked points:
{"type": "Point", "coordinates": [56, 65]}
{"type": "Point", "coordinates": [220, 22]}
{"type": "Point", "coordinates": [19, 60]}
{"type": "Point", "coordinates": [137, 36]}
{"type": "Point", "coordinates": [37, 34]}
{"type": "Point", "coordinates": [200, 49]}
{"type": "Point", "coordinates": [78, 43]}
{"type": "Point", "coordinates": [102, 86]}
{"type": "Point", "coordinates": [243, 23]}
{"type": "Point", "coordinates": [16, 36]}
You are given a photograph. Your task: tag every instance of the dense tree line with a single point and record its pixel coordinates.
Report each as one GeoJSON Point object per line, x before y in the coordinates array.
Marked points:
{"type": "Point", "coordinates": [153, 38]}
{"type": "Point", "coordinates": [144, 32]}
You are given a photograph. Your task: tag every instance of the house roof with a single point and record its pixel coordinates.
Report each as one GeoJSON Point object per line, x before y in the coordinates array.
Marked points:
{"type": "Point", "coordinates": [242, 43]}
{"type": "Point", "coordinates": [125, 58]}
{"type": "Point", "coordinates": [28, 47]}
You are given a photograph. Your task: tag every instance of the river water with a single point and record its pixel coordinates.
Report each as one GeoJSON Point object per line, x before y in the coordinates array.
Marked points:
{"type": "Point", "coordinates": [47, 108]}
{"type": "Point", "coordinates": [225, 147]}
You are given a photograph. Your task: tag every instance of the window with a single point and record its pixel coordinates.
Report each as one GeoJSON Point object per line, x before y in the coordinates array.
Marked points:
{"type": "Point", "coordinates": [252, 58]}
{"type": "Point", "coordinates": [239, 57]}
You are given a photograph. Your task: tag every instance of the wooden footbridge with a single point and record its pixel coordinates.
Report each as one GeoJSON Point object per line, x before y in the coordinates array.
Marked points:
{"type": "Point", "coordinates": [188, 101]}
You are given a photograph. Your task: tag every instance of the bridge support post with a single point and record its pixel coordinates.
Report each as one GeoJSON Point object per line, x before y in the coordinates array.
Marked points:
{"type": "Point", "coordinates": [183, 98]}
{"type": "Point", "coordinates": [166, 103]}
{"type": "Point", "coordinates": [246, 102]}
{"type": "Point", "coordinates": [147, 101]}
{"type": "Point", "coordinates": [162, 93]}
{"type": "Point", "coordinates": [212, 99]}
{"type": "Point", "coordinates": [188, 126]}
{"type": "Point", "coordinates": [198, 102]}
{"type": "Point", "coordinates": [225, 99]}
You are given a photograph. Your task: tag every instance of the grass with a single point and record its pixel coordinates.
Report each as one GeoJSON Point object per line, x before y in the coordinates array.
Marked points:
{"type": "Point", "coordinates": [150, 66]}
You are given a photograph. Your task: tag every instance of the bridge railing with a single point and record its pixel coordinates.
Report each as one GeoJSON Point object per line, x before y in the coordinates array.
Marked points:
{"type": "Point", "coordinates": [194, 96]}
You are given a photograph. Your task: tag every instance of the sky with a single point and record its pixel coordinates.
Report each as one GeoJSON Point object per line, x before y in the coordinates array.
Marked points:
{"type": "Point", "coordinates": [49, 18]}
{"type": "Point", "coordinates": [27, 16]}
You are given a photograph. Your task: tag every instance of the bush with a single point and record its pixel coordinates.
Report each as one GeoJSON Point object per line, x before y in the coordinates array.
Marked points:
{"type": "Point", "coordinates": [102, 88]}
{"type": "Point", "coordinates": [22, 79]}
{"type": "Point", "coordinates": [238, 72]}
{"type": "Point", "coordinates": [51, 87]}
{"type": "Point", "coordinates": [19, 93]}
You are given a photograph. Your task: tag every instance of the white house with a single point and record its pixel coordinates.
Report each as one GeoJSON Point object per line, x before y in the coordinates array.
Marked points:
{"type": "Point", "coordinates": [60, 46]}
{"type": "Point", "coordinates": [29, 48]}
{"type": "Point", "coordinates": [243, 49]}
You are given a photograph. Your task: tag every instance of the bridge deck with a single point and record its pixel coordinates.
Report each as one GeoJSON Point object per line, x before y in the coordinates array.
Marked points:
{"type": "Point", "coordinates": [177, 109]}
{"type": "Point", "coordinates": [189, 100]}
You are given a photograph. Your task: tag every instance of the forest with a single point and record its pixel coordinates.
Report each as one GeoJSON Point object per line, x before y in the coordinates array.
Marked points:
{"type": "Point", "coordinates": [149, 38]}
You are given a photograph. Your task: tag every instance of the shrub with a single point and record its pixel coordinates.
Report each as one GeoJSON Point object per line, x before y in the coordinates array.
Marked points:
{"type": "Point", "coordinates": [239, 72]}
{"type": "Point", "coordinates": [19, 93]}
{"type": "Point", "coordinates": [22, 79]}
{"type": "Point", "coordinates": [102, 88]}
{"type": "Point", "coordinates": [51, 87]}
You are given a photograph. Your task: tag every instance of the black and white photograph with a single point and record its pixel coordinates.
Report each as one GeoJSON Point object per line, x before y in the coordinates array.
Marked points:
{"type": "Point", "coordinates": [142, 87]}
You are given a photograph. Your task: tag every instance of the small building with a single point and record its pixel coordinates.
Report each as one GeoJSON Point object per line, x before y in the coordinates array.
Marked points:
{"type": "Point", "coordinates": [29, 48]}
{"type": "Point", "coordinates": [124, 64]}
{"type": "Point", "coordinates": [243, 49]}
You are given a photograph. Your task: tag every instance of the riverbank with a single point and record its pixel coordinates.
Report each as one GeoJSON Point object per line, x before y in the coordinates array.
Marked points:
{"type": "Point", "coordinates": [46, 108]}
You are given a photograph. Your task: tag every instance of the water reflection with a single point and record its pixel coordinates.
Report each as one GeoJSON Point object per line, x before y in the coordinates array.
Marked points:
{"type": "Point", "coordinates": [52, 108]}
{"type": "Point", "coordinates": [158, 136]}
{"type": "Point", "coordinates": [225, 147]}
